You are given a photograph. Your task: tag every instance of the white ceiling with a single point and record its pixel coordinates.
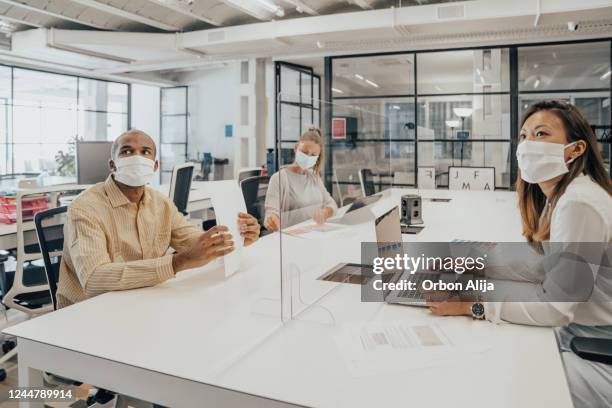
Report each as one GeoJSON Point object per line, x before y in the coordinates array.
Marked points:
{"type": "Point", "coordinates": [170, 15]}
{"type": "Point", "coordinates": [134, 39]}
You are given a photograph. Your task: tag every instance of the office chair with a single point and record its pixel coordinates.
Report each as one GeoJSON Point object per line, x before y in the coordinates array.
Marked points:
{"type": "Point", "coordinates": [366, 179]}
{"type": "Point", "coordinates": [245, 174]}
{"type": "Point", "coordinates": [51, 245]}
{"type": "Point", "coordinates": [180, 184]}
{"type": "Point", "coordinates": [254, 192]}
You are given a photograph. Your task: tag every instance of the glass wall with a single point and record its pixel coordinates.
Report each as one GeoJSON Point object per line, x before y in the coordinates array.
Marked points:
{"type": "Point", "coordinates": [298, 106]}
{"type": "Point", "coordinates": [453, 107]}
{"type": "Point", "coordinates": [42, 114]}
{"type": "Point", "coordinates": [174, 125]}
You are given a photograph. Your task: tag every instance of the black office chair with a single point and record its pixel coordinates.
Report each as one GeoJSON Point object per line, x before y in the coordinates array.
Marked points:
{"type": "Point", "coordinates": [593, 349]}
{"type": "Point", "coordinates": [254, 192]}
{"type": "Point", "coordinates": [49, 230]}
{"type": "Point", "coordinates": [180, 185]}
{"type": "Point", "coordinates": [245, 174]}
{"type": "Point", "coordinates": [366, 179]}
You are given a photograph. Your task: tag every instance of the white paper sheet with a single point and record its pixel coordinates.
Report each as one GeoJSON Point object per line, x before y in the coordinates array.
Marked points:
{"type": "Point", "coordinates": [378, 348]}
{"type": "Point", "coordinates": [227, 201]}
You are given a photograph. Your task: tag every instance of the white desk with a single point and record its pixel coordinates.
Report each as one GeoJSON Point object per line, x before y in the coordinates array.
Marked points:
{"type": "Point", "coordinates": [201, 340]}
{"type": "Point", "coordinates": [198, 200]}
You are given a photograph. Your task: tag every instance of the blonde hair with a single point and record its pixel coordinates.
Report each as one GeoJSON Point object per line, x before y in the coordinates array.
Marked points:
{"type": "Point", "coordinates": [313, 134]}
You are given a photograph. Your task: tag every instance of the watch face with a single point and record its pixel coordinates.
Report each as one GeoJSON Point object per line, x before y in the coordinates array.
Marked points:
{"type": "Point", "coordinates": [477, 309]}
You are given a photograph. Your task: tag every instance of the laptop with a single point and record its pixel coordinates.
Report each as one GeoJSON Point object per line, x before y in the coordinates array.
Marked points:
{"type": "Point", "coordinates": [388, 230]}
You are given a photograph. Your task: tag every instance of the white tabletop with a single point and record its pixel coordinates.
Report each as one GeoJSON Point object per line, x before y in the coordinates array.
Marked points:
{"type": "Point", "coordinates": [228, 332]}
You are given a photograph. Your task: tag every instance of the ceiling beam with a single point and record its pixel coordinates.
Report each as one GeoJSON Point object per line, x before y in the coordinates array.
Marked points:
{"type": "Point", "coordinates": [186, 11]}
{"type": "Point", "coordinates": [126, 14]}
{"type": "Point", "coordinates": [53, 14]}
{"type": "Point", "coordinates": [302, 7]}
{"type": "Point", "coordinates": [259, 12]}
{"type": "Point", "coordinates": [20, 21]}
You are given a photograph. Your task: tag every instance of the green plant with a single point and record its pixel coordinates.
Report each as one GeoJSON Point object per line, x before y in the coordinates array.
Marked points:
{"type": "Point", "coordinates": [65, 161]}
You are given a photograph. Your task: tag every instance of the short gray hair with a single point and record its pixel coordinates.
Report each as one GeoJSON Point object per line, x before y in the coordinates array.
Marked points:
{"type": "Point", "coordinates": [115, 146]}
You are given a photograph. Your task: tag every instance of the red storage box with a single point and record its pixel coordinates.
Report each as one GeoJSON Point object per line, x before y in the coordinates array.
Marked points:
{"type": "Point", "coordinates": [30, 205]}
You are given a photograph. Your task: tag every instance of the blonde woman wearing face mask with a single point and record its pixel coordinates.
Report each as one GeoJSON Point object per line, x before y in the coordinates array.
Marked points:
{"type": "Point", "coordinates": [296, 193]}
{"type": "Point", "coordinates": [565, 196]}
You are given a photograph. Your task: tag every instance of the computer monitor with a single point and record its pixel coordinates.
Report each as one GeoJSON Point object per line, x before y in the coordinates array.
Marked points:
{"type": "Point", "coordinates": [180, 186]}
{"type": "Point", "coordinates": [92, 161]}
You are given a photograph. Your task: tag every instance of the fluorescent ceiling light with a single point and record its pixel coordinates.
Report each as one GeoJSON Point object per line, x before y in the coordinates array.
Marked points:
{"type": "Point", "coordinates": [358, 76]}
{"type": "Point", "coordinates": [463, 112]}
{"type": "Point", "coordinates": [375, 85]}
{"type": "Point", "coordinates": [336, 90]}
{"type": "Point", "coordinates": [606, 75]}
{"type": "Point", "coordinates": [396, 107]}
{"type": "Point", "coordinates": [536, 84]}
{"type": "Point", "coordinates": [271, 7]}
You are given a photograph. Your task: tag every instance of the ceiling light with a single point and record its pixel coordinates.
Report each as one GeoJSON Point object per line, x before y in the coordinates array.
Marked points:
{"type": "Point", "coordinates": [320, 44]}
{"type": "Point", "coordinates": [606, 75]}
{"type": "Point", "coordinates": [358, 76]}
{"type": "Point", "coordinates": [375, 85]}
{"type": "Point", "coordinates": [5, 26]}
{"type": "Point", "coordinates": [536, 83]}
{"type": "Point", "coordinates": [271, 7]}
{"type": "Point", "coordinates": [396, 107]}
{"type": "Point", "coordinates": [336, 90]}
{"type": "Point", "coordinates": [463, 112]}
{"type": "Point", "coordinates": [452, 123]}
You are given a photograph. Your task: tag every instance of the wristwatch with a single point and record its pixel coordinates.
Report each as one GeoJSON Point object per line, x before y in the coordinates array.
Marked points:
{"type": "Point", "coordinates": [478, 311]}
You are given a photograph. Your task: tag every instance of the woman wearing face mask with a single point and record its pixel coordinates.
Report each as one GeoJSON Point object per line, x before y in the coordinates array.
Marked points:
{"type": "Point", "coordinates": [565, 196]}
{"type": "Point", "coordinates": [296, 193]}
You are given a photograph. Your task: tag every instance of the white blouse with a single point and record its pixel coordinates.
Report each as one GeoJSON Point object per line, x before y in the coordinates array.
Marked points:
{"type": "Point", "coordinates": [582, 214]}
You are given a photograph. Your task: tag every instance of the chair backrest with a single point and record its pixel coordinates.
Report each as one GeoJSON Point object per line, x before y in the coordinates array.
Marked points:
{"type": "Point", "coordinates": [366, 179]}
{"type": "Point", "coordinates": [245, 174]}
{"type": "Point", "coordinates": [180, 185]}
{"type": "Point", "coordinates": [51, 241]}
{"type": "Point", "coordinates": [254, 192]}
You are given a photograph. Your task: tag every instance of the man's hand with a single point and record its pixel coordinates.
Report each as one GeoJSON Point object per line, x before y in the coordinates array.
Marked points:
{"type": "Point", "coordinates": [272, 223]}
{"type": "Point", "coordinates": [212, 244]}
{"type": "Point", "coordinates": [249, 228]}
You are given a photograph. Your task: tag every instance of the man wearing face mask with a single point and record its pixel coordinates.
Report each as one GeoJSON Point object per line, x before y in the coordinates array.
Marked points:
{"type": "Point", "coordinates": [118, 232]}
{"type": "Point", "coordinates": [296, 193]}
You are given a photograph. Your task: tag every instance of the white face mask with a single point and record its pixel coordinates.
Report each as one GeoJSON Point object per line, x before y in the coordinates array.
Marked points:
{"type": "Point", "coordinates": [134, 171]}
{"type": "Point", "coordinates": [305, 161]}
{"type": "Point", "coordinates": [541, 161]}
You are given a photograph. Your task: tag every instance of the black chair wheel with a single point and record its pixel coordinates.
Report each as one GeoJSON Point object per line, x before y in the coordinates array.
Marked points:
{"type": "Point", "coordinates": [8, 346]}
{"type": "Point", "coordinates": [2, 374]}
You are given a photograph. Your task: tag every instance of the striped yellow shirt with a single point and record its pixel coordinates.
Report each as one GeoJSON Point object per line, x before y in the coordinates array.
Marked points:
{"type": "Point", "coordinates": [112, 244]}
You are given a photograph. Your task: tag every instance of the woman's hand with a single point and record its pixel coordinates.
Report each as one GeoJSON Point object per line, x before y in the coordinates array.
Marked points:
{"type": "Point", "coordinates": [249, 228]}
{"type": "Point", "coordinates": [272, 223]}
{"type": "Point", "coordinates": [322, 214]}
{"type": "Point", "coordinates": [444, 303]}
{"type": "Point", "coordinates": [450, 308]}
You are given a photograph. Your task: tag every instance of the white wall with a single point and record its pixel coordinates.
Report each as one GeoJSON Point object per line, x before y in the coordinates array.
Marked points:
{"type": "Point", "coordinates": [145, 111]}
{"type": "Point", "coordinates": [213, 103]}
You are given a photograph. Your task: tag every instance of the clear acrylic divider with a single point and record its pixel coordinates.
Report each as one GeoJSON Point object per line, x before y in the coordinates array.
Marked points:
{"type": "Point", "coordinates": [372, 147]}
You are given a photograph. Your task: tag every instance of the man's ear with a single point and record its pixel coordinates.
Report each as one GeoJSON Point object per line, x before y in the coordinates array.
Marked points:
{"type": "Point", "coordinates": [156, 166]}
{"type": "Point", "coordinates": [111, 166]}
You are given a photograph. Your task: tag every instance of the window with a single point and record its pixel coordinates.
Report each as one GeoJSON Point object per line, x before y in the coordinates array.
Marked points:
{"type": "Point", "coordinates": [174, 125]}
{"type": "Point", "coordinates": [42, 114]}
{"type": "Point", "coordinates": [298, 106]}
